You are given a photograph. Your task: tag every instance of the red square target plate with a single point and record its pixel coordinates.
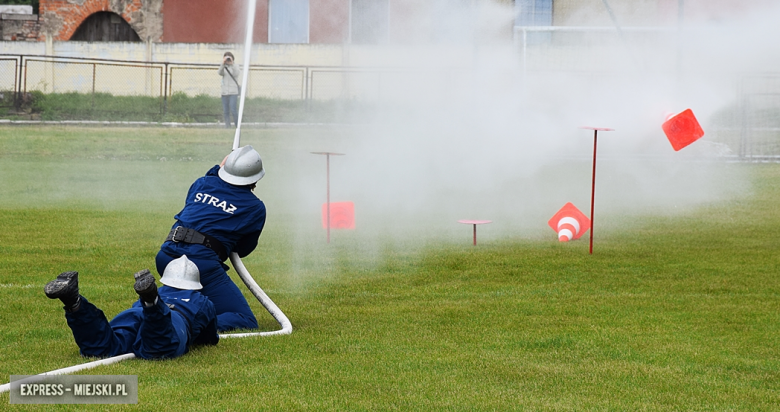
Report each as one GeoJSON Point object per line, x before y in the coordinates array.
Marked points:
{"type": "Point", "coordinates": [682, 129]}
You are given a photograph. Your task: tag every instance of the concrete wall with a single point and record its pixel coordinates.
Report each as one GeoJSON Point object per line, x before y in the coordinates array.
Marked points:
{"type": "Point", "coordinates": [19, 27]}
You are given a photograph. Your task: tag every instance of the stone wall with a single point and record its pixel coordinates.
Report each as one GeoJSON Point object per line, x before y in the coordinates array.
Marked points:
{"type": "Point", "coordinates": [19, 27]}
{"type": "Point", "coordinates": [61, 18]}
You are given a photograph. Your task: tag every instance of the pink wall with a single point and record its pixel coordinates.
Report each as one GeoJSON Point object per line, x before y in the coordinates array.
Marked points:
{"type": "Point", "coordinates": [206, 21]}
{"type": "Point", "coordinates": [328, 21]}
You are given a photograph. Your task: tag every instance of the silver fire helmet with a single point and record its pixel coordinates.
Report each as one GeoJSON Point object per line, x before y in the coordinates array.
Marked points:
{"type": "Point", "coordinates": [181, 273]}
{"type": "Point", "coordinates": [243, 166]}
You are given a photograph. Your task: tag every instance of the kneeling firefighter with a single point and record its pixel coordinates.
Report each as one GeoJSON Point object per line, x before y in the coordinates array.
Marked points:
{"type": "Point", "coordinates": [221, 215]}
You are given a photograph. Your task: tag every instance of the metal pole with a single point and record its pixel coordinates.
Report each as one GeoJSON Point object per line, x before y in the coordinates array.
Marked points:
{"type": "Point", "coordinates": [327, 187]}
{"type": "Point", "coordinates": [743, 130]}
{"type": "Point", "coordinates": [475, 234]}
{"type": "Point", "coordinates": [24, 67]}
{"type": "Point", "coordinates": [593, 189]}
{"type": "Point", "coordinates": [93, 85]}
{"type": "Point", "coordinates": [327, 198]}
{"type": "Point", "coordinates": [525, 56]}
{"type": "Point", "coordinates": [307, 88]}
{"type": "Point", "coordinates": [166, 89]}
{"type": "Point", "coordinates": [21, 75]}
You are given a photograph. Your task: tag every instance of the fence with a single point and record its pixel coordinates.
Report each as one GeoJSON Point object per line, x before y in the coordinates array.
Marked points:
{"type": "Point", "coordinates": [24, 74]}
{"type": "Point", "coordinates": [166, 85]}
{"type": "Point", "coordinates": [590, 57]}
{"type": "Point", "coordinates": [759, 128]}
{"type": "Point", "coordinates": [602, 57]}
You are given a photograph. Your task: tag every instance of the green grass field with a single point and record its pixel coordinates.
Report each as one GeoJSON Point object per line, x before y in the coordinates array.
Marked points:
{"type": "Point", "coordinates": [672, 311]}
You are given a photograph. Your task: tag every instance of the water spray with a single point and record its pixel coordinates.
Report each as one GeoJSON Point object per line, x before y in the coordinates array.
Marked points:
{"type": "Point", "coordinates": [250, 24]}
{"type": "Point", "coordinates": [250, 283]}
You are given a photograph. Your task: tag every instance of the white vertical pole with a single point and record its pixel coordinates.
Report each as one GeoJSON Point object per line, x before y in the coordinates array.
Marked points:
{"type": "Point", "coordinates": [250, 24]}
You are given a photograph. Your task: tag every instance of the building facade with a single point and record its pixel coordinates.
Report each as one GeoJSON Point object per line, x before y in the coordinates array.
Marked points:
{"type": "Point", "coordinates": [344, 21]}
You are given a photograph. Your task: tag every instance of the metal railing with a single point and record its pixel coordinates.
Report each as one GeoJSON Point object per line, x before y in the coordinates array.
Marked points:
{"type": "Point", "coordinates": [165, 81]}
{"type": "Point", "coordinates": [751, 128]}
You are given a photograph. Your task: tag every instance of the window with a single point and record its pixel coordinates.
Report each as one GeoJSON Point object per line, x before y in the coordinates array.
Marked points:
{"type": "Point", "coordinates": [533, 12]}
{"type": "Point", "coordinates": [288, 21]}
{"type": "Point", "coordinates": [369, 21]}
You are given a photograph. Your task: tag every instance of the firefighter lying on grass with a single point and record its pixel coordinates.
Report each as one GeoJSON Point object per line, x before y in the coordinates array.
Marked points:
{"type": "Point", "coordinates": [163, 323]}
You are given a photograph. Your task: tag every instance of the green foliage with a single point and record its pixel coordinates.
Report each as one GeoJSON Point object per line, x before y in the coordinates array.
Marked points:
{"type": "Point", "coordinates": [180, 108]}
{"type": "Point", "coordinates": [98, 106]}
{"type": "Point", "coordinates": [669, 313]}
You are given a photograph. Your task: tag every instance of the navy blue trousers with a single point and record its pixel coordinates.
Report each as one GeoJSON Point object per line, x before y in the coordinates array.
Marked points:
{"type": "Point", "coordinates": [233, 311]}
{"type": "Point", "coordinates": [149, 333]}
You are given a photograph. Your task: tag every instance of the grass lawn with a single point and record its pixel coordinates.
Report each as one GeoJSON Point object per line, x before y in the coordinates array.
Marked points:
{"type": "Point", "coordinates": [673, 311]}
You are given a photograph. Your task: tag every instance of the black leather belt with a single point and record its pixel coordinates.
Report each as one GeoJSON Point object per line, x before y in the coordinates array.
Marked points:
{"type": "Point", "coordinates": [187, 235]}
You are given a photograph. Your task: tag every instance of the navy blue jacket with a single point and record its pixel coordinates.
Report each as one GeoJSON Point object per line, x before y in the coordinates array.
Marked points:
{"type": "Point", "coordinates": [231, 214]}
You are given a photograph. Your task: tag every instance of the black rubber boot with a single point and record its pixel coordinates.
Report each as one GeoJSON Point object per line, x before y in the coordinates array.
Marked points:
{"type": "Point", "coordinates": [66, 289]}
{"type": "Point", "coordinates": [145, 287]}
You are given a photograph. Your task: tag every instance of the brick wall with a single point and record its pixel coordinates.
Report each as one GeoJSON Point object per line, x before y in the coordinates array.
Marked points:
{"type": "Point", "coordinates": [19, 27]}
{"type": "Point", "coordinates": [61, 18]}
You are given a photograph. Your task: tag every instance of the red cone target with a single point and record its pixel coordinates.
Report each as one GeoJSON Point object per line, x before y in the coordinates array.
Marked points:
{"type": "Point", "coordinates": [682, 129]}
{"type": "Point", "coordinates": [569, 223]}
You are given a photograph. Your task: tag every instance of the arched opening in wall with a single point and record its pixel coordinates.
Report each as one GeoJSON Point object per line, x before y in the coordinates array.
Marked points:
{"type": "Point", "coordinates": [105, 26]}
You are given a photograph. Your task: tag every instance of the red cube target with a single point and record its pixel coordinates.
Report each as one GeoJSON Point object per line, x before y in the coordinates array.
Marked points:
{"type": "Point", "coordinates": [342, 215]}
{"type": "Point", "coordinates": [682, 129]}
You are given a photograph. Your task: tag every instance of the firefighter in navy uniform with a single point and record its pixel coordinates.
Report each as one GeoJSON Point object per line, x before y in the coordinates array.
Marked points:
{"type": "Point", "coordinates": [221, 215]}
{"type": "Point", "coordinates": [163, 323]}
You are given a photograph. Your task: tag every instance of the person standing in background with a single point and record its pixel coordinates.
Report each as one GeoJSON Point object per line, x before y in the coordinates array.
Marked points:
{"type": "Point", "coordinates": [230, 88]}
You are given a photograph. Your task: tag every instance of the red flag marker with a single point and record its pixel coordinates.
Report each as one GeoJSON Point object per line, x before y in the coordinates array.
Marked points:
{"type": "Point", "coordinates": [682, 129]}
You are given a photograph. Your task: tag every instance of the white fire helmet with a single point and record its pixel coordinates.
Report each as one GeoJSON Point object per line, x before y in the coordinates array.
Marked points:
{"type": "Point", "coordinates": [181, 273]}
{"type": "Point", "coordinates": [243, 166]}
